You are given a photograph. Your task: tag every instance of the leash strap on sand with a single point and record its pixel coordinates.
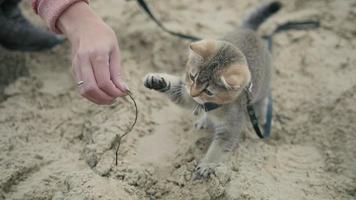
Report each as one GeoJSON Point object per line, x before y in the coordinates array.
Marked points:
{"type": "Point", "coordinates": [144, 6]}
{"type": "Point", "coordinates": [292, 25]}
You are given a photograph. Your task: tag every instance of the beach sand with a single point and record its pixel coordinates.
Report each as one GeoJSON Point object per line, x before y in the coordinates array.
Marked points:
{"type": "Point", "coordinates": [56, 145]}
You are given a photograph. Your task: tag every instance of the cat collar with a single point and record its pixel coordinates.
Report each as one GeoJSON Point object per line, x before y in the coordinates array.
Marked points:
{"type": "Point", "coordinates": [208, 106]}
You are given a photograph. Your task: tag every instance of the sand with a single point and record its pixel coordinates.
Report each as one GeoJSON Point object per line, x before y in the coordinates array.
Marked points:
{"type": "Point", "coordinates": [56, 145]}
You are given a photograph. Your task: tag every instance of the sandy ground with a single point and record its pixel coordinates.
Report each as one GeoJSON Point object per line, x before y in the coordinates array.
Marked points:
{"type": "Point", "coordinates": [56, 145]}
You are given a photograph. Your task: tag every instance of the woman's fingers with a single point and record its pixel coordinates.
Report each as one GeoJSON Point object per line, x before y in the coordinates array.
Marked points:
{"type": "Point", "coordinates": [101, 69]}
{"type": "Point", "coordinates": [115, 71]}
{"type": "Point", "coordinates": [89, 88]}
{"type": "Point", "coordinates": [96, 54]}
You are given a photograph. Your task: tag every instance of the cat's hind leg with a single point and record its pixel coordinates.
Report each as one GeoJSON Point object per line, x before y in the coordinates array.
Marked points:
{"type": "Point", "coordinates": [261, 109]}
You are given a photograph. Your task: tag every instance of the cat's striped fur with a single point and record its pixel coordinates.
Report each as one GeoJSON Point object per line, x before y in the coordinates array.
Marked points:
{"type": "Point", "coordinates": [218, 71]}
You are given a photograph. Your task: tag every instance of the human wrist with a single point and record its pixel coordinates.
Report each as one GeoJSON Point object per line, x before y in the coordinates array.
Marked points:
{"type": "Point", "coordinates": [74, 18]}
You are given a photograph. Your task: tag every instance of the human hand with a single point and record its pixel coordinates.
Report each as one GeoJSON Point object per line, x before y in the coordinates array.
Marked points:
{"type": "Point", "coordinates": [95, 54]}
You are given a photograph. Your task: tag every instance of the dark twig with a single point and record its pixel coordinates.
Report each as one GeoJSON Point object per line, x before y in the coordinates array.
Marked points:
{"type": "Point", "coordinates": [128, 131]}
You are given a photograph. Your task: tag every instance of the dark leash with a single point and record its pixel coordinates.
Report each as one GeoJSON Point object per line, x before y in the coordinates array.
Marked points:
{"type": "Point", "coordinates": [295, 25]}
{"type": "Point", "coordinates": [253, 116]}
{"type": "Point", "coordinates": [144, 6]}
{"type": "Point", "coordinates": [292, 25]}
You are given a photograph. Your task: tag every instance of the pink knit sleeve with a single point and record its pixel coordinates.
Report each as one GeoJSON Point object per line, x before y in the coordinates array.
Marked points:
{"type": "Point", "coordinates": [51, 10]}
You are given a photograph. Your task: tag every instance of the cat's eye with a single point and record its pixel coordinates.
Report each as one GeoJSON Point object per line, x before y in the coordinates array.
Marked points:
{"type": "Point", "coordinates": [208, 92]}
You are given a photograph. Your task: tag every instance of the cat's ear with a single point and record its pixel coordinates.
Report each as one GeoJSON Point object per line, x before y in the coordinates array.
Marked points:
{"type": "Point", "coordinates": [236, 77]}
{"type": "Point", "coordinates": [204, 48]}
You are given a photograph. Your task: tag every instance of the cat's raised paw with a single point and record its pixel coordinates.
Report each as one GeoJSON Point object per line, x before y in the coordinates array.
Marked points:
{"type": "Point", "coordinates": [156, 82]}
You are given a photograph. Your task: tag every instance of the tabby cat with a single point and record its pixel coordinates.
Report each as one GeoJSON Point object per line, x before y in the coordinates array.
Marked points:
{"type": "Point", "coordinates": [218, 71]}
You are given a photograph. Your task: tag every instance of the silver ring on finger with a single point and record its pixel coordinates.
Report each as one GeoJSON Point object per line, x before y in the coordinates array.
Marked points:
{"type": "Point", "coordinates": [80, 83]}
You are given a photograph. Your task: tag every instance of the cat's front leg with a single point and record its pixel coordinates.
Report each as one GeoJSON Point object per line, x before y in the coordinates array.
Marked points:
{"type": "Point", "coordinates": [203, 123]}
{"type": "Point", "coordinates": [219, 151]}
{"type": "Point", "coordinates": [172, 86]}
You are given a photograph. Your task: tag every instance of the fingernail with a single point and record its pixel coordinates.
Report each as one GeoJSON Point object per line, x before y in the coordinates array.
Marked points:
{"type": "Point", "coordinates": [126, 87]}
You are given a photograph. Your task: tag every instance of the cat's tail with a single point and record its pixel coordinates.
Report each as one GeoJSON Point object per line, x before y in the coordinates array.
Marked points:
{"type": "Point", "coordinates": [256, 18]}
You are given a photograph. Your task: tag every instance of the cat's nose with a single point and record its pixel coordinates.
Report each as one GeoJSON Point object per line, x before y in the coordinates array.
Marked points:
{"type": "Point", "coordinates": [194, 93]}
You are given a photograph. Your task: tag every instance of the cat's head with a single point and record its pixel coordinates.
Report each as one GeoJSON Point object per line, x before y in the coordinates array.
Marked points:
{"type": "Point", "coordinates": [216, 71]}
